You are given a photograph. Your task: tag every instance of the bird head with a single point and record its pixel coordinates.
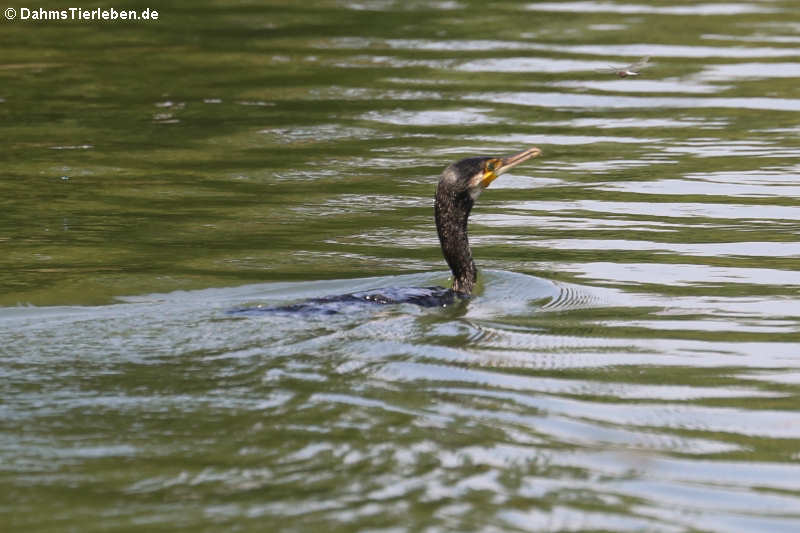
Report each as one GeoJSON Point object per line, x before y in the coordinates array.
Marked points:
{"type": "Point", "coordinates": [474, 174]}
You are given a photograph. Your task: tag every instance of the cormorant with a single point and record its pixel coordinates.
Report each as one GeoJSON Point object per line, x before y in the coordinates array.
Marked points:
{"type": "Point", "coordinates": [459, 187]}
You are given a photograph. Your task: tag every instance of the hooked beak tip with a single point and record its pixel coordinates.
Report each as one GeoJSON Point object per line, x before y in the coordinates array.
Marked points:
{"type": "Point", "coordinates": [516, 159]}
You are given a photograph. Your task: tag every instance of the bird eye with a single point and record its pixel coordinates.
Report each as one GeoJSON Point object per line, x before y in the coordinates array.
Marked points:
{"type": "Point", "coordinates": [490, 166]}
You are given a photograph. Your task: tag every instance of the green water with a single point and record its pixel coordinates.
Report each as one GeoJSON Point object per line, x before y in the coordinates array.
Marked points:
{"type": "Point", "coordinates": [631, 359]}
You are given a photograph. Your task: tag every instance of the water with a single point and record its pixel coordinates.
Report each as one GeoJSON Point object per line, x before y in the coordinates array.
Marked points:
{"type": "Point", "coordinates": [630, 361]}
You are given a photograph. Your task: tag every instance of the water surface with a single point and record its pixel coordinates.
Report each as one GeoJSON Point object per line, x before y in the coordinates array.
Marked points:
{"type": "Point", "coordinates": [629, 363]}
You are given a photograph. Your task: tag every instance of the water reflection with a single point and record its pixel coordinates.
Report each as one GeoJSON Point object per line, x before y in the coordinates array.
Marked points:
{"type": "Point", "coordinates": [628, 362]}
{"type": "Point", "coordinates": [690, 210]}
{"type": "Point", "coordinates": [741, 71]}
{"type": "Point", "coordinates": [592, 101]}
{"type": "Point", "coordinates": [681, 275]}
{"type": "Point", "coordinates": [757, 184]}
{"type": "Point", "coordinates": [629, 9]}
{"type": "Point", "coordinates": [433, 118]}
{"type": "Point", "coordinates": [644, 86]}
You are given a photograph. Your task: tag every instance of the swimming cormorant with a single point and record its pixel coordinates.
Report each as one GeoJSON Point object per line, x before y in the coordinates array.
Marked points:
{"type": "Point", "coordinates": [459, 186]}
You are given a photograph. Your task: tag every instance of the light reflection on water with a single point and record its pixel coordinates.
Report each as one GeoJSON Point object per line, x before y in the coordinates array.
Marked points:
{"type": "Point", "coordinates": [760, 184]}
{"type": "Point", "coordinates": [733, 8]}
{"type": "Point", "coordinates": [667, 210]}
{"type": "Point", "coordinates": [593, 101]}
{"type": "Point", "coordinates": [629, 361]}
{"type": "Point", "coordinates": [644, 86]}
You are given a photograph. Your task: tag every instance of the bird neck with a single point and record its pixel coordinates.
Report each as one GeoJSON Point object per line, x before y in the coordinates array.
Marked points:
{"type": "Point", "coordinates": [452, 212]}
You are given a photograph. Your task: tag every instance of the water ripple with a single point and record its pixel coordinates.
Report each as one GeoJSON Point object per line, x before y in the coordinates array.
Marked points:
{"type": "Point", "coordinates": [628, 9]}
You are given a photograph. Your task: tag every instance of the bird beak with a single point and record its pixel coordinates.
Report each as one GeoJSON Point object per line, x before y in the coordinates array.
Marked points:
{"type": "Point", "coordinates": [507, 163]}
{"type": "Point", "coordinates": [516, 159]}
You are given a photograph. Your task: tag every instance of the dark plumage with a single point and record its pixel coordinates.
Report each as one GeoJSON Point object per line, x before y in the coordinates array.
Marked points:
{"type": "Point", "coordinates": [459, 186]}
{"type": "Point", "coordinates": [452, 207]}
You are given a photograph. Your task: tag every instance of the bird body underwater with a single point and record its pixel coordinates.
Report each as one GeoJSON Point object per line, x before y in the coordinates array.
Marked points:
{"type": "Point", "coordinates": [460, 185]}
